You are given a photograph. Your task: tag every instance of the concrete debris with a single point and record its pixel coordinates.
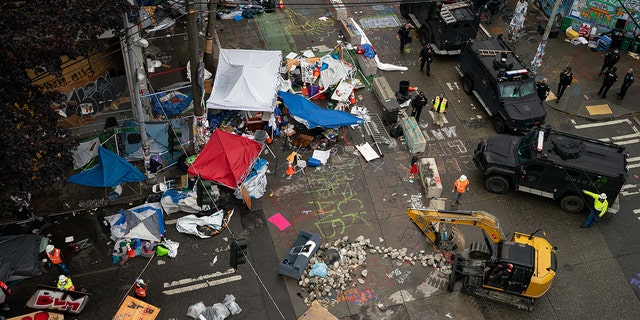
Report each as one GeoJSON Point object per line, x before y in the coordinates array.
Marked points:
{"type": "Point", "coordinates": [343, 273]}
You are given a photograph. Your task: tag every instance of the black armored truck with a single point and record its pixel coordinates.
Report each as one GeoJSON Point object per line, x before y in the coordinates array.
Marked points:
{"type": "Point", "coordinates": [502, 83]}
{"type": "Point", "coordinates": [445, 26]}
{"type": "Point", "coordinates": [553, 164]}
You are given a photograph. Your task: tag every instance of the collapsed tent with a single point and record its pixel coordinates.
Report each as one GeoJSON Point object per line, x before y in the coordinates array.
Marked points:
{"type": "Point", "coordinates": [246, 80]}
{"type": "Point", "coordinates": [19, 257]}
{"type": "Point", "coordinates": [313, 116]}
{"type": "Point", "coordinates": [158, 137]}
{"type": "Point", "coordinates": [226, 159]}
{"type": "Point", "coordinates": [144, 222]}
{"type": "Point", "coordinates": [111, 170]}
{"type": "Point", "coordinates": [85, 151]}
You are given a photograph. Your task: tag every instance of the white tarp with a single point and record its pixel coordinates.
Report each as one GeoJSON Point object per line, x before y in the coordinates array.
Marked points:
{"type": "Point", "coordinates": [246, 80]}
{"type": "Point", "coordinates": [144, 222]}
{"type": "Point", "coordinates": [85, 152]}
{"type": "Point", "coordinates": [381, 65]}
{"type": "Point", "coordinates": [200, 226]}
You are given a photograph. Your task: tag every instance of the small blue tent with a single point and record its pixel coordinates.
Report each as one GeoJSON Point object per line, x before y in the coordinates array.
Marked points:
{"type": "Point", "coordinates": [314, 116]}
{"type": "Point", "coordinates": [111, 171]}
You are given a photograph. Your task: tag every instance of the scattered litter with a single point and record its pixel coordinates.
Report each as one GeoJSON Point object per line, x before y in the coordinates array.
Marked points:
{"type": "Point", "coordinates": [230, 302]}
{"type": "Point", "coordinates": [195, 310]}
{"type": "Point", "coordinates": [213, 263]}
{"type": "Point", "coordinates": [279, 221]}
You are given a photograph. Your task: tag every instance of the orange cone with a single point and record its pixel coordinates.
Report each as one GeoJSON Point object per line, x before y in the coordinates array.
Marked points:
{"type": "Point", "coordinates": [290, 170]}
{"type": "Point", "coordinates": [352, 98]}
{"type": "Point", "coordinates": [305, 91]}
{"type": "Point", "coordinates": [281, 5]}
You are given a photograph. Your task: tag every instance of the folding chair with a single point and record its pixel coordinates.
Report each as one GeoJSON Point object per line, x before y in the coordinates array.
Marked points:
{"type": "Point", "coordinates": [301, 164]}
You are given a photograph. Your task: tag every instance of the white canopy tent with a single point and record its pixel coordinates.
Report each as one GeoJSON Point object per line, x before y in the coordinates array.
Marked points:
{"type": "Point", "coordinates": [246, 80]}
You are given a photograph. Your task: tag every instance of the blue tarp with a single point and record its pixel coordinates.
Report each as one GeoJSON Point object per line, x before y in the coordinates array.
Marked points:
{"type": "Point", "coordinates": [315, 116]}
{"type": "Point", "coordinates": [111, 171]}
{"type": "Point", "coordinates": [172, 106]}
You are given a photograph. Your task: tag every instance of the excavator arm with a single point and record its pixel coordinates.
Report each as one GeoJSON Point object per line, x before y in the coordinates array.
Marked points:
{"type": "Point", "coordinates": [426, 220]}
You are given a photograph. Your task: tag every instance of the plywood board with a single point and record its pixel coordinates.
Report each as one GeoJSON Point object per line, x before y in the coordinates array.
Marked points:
{"type": "Point", "coordinates": [599, 109]}
{"type": "Point", "coordinates": [317, 312]}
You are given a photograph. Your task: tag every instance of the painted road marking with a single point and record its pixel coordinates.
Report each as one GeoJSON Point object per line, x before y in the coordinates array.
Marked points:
{"type": "Point", "coordinates": [206, 284]}
{"type": "Point", "coordinates": [634, 165]}
{"type": "Point", "coordinates": [200, 282]}
{"type": "Point", "coordinates": [602, 124]}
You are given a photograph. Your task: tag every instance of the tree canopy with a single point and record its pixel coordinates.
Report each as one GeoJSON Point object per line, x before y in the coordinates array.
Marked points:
{"type": "Point", "coordinates": [35, 36]}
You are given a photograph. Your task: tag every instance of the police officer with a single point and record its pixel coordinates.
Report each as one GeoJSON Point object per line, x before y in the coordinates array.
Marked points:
{"type": "Point", "coordinates": [403, 35]}
{"type": "Point", "coordinates": [609, 61]}
{"type": "Point", "coordinates": [542, 88]}
{"type": "Point", "coordinates": [600, 204]}
{"type": "Point", "coordinates": [426, 55]}
{"type": "Point", "coordinates": [609, 78]}
{"type": "Point", "coordinates": [626, 83]}
{"type": "Point", "coordinates": [417, 104]}
{"type": "Point", "coordinates": [566, 77]}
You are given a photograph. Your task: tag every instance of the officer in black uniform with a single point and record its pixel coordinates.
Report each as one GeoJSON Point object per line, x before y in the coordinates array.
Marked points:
{"type": "Point", "coordinates": [542, 88]}
{"type": "Point", "coordinates": [609, 78]}
{"type": "Point", "coordinates": [626, 83]}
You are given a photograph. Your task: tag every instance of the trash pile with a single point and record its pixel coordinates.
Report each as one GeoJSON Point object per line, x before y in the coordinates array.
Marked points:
{"type": "Point", "coordinates": [336, 266]}
{"type": "Point", "coordinates": [218, 311]}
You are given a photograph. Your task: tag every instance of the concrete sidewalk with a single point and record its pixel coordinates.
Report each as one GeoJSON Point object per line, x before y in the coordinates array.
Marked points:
{"type": "Point", "coordinates": [580, 99]}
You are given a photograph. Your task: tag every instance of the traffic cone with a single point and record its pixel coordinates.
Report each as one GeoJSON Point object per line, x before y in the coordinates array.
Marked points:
{"type": "Point", "coordinates": [290, 170]}
{"type": "Point", "coordinates": [305, 91]}
{"type": "Point", "coordinates": [352, 98]}
{"type": "Point", "coordinates": [281, 5]}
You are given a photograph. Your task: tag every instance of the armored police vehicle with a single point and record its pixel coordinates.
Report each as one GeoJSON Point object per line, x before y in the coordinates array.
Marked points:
{"type": "Point", "coordinates": [502, 84]}
{"type": "Point", "coordinates": [553, 164]}
{"type": "Point", "coordinates": [446, 26]}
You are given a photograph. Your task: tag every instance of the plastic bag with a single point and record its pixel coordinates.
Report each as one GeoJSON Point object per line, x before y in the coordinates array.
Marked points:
{"type": "Point", "coordinates": [195, 310]}
{"type": "Point", "coordinates": [216, 312]}
{"type": "Point", "coordinates": [172, 246]}
{"type": "Point", "coordinates": [319, 269]}
{"type": "Point", "coordinates": [230, 302]}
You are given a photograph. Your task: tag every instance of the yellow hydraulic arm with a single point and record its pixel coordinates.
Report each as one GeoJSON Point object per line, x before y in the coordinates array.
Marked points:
{"type": "Point", "coordinates": [425, 220]}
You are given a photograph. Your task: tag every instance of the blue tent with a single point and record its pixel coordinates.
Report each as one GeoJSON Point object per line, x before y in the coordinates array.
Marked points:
{"type": "Point", "coordinates": [315, 116]}
{"type": "Point", "coordinates": [111, 170]}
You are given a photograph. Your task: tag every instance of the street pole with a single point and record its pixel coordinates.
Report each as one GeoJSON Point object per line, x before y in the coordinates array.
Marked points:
{"type": "Point", "coordinates": [131, 70]}
{"type": "Point", "coordinates": [197, 78]}
{"type": "Point", "coordinates": [537, 59]}
{"type": "Point", "coordinates": [211, 47]}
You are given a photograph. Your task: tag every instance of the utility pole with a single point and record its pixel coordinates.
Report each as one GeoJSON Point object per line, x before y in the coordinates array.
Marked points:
{"type": "Point", "coordinates": [131, 69]}
{"type": "Point", "coordinates": [211, 47]}
{"type": "Point", "coordinates": [197, 77]}
{"type": "Point", "coordinates": [537, 59]}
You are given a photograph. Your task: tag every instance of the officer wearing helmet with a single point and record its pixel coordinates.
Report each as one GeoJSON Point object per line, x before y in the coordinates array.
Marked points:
{"type": "Point", "coordinates": [610, 59]}
{"type": "Point", "coordinates": [460, 186]}
{"type": "Point", "coordinates": [600, 204]}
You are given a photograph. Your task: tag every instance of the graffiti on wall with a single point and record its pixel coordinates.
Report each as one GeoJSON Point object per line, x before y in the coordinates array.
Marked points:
{"type": "Point", "coordinates": [606, 13]}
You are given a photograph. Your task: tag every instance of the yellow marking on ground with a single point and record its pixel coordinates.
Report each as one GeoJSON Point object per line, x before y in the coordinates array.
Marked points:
{"type": "Point", "coordinates": [599, 109]}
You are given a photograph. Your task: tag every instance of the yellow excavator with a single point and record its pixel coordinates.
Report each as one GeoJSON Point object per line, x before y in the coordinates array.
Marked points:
{"type": "Point", "coordinates": [514, 272]}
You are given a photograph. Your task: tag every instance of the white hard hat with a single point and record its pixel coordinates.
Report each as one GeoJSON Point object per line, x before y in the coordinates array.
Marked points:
{"type": "Point", "coordinates": [140, 281]}
{"type": "Point", "coordinates": [603, 196]}
{"type": "Point", "coordinates": [62, 277]}
{"type": "Point", "coordinates": [463, 178]}
{"type": "Point", "coordinates": [49, 248]}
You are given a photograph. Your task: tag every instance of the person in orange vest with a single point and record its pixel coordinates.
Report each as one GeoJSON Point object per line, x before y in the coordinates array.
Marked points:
{"type": "Point", "coordinates": [140, 289]}
{"type": "Point", "coordinates": [4, 292]}
{"type": "Point", "coordinates": [65, 283]}
{"type": "Point", "coordinates": [460, 186]}
{"type": "Point", "coordinates": [55, 257]}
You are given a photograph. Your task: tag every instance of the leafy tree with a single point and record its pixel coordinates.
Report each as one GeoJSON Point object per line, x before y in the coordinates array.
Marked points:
{"type": "Point", "coordinates": [34, 36]}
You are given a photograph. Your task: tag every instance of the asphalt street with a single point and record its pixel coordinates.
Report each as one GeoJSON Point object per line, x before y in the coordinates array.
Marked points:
{"type": "Point", "coordinates": [597, 275]}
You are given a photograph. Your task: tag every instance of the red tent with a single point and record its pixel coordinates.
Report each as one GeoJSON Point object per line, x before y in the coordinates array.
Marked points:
{"type": "Point", "coordinates": [226, 159]}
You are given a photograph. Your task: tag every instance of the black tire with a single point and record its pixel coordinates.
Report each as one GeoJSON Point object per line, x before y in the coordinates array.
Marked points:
{"type": "Point", "coordinates": [497, 184]}
{"type": "Point", "coordinates": [498, 124]}
{"type": "Point", "coordinates": [405, 10]}
{"type": "Point", "coordinates": [572, 203]}
{"type": "Point", "coordinates": [467, 84]}
{"type": "Point", "coordinates": [425, 35]}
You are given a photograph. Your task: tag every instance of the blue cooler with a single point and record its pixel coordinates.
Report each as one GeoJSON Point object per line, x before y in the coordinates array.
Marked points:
{"type": "Point", "coordinates": [313, 162]}
{"type": "Point", "coordinates": [604, 43]}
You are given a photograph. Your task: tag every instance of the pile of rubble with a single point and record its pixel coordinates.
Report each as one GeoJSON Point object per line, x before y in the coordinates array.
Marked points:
{"type": "Point", "coordinates": [347, 266]}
